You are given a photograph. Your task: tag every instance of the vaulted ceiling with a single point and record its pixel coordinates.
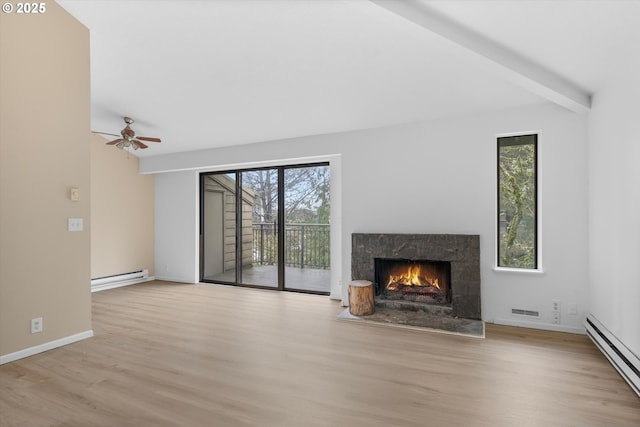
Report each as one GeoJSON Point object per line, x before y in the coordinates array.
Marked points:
{"type": "Point", "coordinates": [214, 73]}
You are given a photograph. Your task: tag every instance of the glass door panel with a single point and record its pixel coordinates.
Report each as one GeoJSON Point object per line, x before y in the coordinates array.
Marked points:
{"type": "Point", "coordinates": [306, 228]}
{"type": "Point", "coordinates": [218, 227]}
{"type": "Point", "coordinates": [259, 228]}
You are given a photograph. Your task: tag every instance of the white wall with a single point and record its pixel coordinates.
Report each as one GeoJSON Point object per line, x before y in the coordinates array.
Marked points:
{"type": "Point", "coordinates": [614, 205]}
{"type": "Point", "coordinates": [122, 212]}
{"type": "Point", "coordinates": [176, 228]}
{"type": "Point", "coordinates": [435, 177]}
{"type": "Point", "coordinates": [44, 152]}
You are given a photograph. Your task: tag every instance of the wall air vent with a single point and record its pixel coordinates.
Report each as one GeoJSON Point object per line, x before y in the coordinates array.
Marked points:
{"type": "Point", "coordinates": [522, 312]}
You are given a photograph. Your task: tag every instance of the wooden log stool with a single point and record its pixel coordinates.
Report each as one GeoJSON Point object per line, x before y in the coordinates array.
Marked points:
{"type": "Point", "coordinates": [361, 302]}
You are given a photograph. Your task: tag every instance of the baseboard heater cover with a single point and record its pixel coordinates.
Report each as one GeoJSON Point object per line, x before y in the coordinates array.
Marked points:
{"type": "Point", "coordinates": [117, 280]}
{"type": "Point", "coordinates": [623, 359]}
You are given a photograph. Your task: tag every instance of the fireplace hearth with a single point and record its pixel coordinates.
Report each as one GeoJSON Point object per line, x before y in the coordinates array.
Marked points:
{"type": "Point", "coordinates": [437, 273]}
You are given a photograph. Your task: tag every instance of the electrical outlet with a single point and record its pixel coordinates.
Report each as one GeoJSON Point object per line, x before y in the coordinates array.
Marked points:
{"type": "Point", "coordinates": [555, 305]}
{"type": "Point", "coordinates": [555, 317]}
{"type": "Point", "coordinates": [36, 325]}
{"type": "Point", "coordinates": [75, 224]}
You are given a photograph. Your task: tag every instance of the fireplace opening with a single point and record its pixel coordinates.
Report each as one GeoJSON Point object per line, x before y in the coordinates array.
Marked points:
{"type": "Point", "coordinates": [413, 280]}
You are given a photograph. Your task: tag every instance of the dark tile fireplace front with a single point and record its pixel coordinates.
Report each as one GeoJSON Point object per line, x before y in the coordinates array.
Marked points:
{"type": "Point", "coordinates": [439, 271]}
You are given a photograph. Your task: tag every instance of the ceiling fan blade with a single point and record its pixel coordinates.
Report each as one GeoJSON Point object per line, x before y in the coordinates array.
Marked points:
{"type": "Point", "coordinates": [104, 133]}
{"type": "Point", "coordinates": [139, 144]}
{"type": "Point", "coordinates": [115, 141]}
{"type": "Point", "coordinates": [146, 138]}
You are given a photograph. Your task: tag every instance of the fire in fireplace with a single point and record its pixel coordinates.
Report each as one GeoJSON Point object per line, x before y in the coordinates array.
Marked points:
{"type": "Point", "coordinates": [413, 280]}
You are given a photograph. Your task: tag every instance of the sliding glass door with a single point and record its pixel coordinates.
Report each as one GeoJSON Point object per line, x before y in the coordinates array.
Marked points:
{"type": "Point", "coordinates": [259, 225]}
{"type": "Point", "coordinates": [267, 228]}
{"type": "Point", "coordinates": [217, 227]}
{"type": "Point", "coordinates": [306, 228]}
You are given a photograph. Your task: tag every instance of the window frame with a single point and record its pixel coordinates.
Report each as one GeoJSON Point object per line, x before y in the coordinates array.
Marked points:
{"type": "Point", "coordinates": [537, 269]}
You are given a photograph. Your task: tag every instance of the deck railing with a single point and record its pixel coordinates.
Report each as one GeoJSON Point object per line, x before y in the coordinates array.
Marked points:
{"type": "Point", "coordinates": [305, 245]}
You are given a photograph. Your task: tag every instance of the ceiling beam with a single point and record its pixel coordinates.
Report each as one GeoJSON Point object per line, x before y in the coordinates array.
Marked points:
{"type": "Point", "coordinates": [507, 63]}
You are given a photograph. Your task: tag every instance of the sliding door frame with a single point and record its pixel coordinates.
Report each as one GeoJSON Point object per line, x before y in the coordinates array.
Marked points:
{"type": "Point", "coordinates": [280, 225]}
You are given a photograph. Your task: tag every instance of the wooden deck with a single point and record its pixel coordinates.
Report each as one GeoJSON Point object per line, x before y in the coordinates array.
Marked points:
{"type": "Point", "coordinates": [305, 279]}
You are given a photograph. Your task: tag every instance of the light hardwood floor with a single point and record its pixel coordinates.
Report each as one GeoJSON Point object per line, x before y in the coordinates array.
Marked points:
{"type": "Point", "coordinates": [167, 354]}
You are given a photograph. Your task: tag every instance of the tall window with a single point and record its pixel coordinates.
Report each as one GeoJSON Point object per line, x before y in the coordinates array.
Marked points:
{"type": "Point", "coordinates": [517, 202]}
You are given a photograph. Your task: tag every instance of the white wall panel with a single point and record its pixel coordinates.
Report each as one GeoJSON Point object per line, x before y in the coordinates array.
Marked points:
{"type": "Point", "coordinates": [614, 206]}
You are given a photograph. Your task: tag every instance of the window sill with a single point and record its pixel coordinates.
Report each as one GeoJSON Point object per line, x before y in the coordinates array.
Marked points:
{"type": "Point", "coordinates": [518, 270]}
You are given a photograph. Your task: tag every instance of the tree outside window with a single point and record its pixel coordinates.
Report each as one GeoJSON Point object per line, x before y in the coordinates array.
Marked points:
{"type": "Point", "coordinates": [517, 202]}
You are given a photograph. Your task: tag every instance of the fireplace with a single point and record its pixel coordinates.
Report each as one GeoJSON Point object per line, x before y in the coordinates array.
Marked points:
{"type": "Point", "coordinates": [456, 257]}
{"type": "Point", "coordinates": [413, 280]}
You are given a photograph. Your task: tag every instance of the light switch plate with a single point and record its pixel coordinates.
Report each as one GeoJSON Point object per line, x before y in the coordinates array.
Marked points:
{"type": "Point", "coordinates": [75, 224]}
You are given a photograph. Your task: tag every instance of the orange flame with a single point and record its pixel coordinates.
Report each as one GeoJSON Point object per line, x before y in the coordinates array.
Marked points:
{"type": "Point", "coordinates": [410, 277]}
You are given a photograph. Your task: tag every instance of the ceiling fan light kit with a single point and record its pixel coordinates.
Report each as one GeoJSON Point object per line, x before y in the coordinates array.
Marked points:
{"type": "Point", "coordinates": [128, 137]}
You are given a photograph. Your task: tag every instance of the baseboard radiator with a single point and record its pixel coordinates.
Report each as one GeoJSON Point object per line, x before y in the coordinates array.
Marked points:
{"type": "Point", "coordinates": [627, 363]}
{"type": "Point", "coordinates": [118, 280]}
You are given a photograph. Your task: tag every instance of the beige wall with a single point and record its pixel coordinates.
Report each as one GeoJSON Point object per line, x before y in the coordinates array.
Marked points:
{"type": "Point", "coordinates": [122, 211]}
{"type": "Point", "coordinates": [44, 151]}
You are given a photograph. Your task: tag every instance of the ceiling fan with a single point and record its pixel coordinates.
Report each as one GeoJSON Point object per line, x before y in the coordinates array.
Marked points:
{"type": "Point", "coordinates": [128, 138]}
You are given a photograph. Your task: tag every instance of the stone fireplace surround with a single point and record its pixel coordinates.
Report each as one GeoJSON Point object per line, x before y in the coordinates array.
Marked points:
{"type": "Point", "coordinates": [461, 250]}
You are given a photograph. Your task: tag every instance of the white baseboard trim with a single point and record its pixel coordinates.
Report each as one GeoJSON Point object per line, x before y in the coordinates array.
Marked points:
{"type": "Point", "coordinates": [175, 279]}
{"type": "Point", "coordinates": [21, 354]}
{"type": "Point", "coordinates": [104, 287]}
{"type": "Point", "coordinates": [623, 359]}
{"type": "Point", "coordinates": [538, 325]}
